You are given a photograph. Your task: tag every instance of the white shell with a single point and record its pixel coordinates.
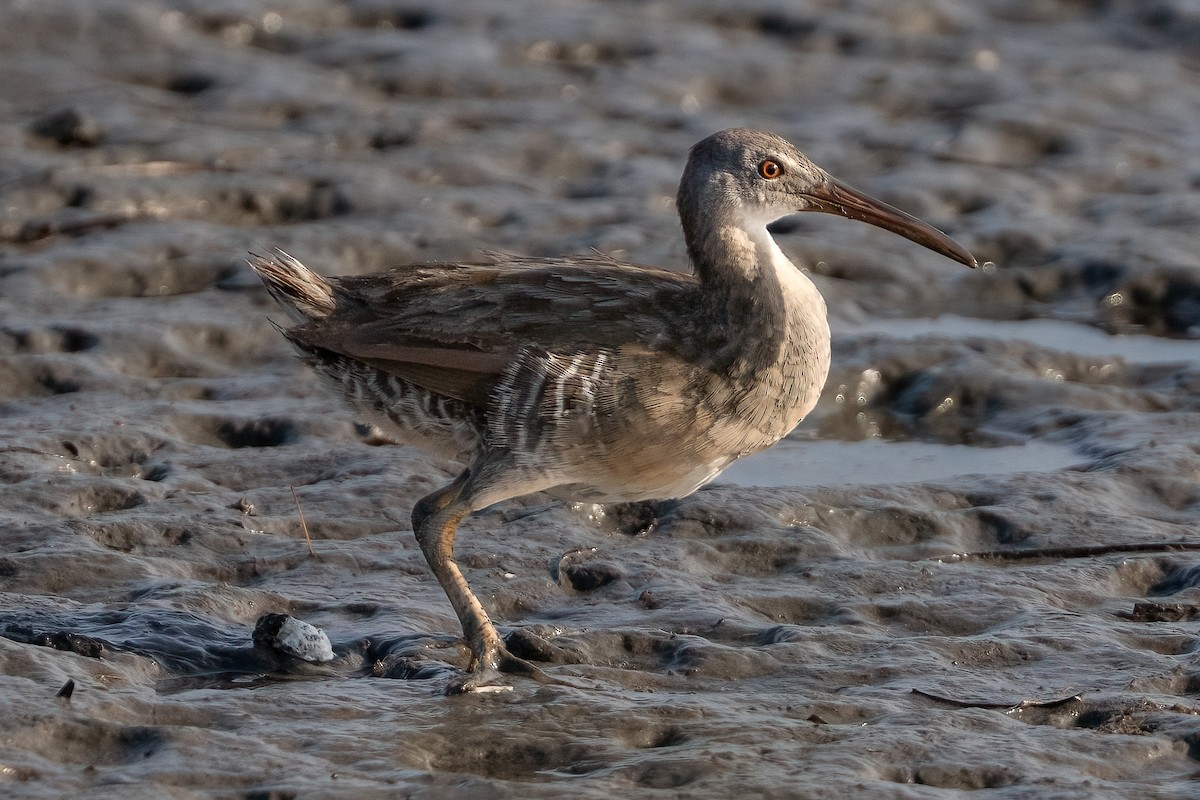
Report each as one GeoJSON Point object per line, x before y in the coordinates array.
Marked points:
{"type": "Point", "coordinates": [301, 640]}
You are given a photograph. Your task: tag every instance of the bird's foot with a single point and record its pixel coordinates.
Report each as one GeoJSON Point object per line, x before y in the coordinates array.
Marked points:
{"type": "Point", "coordinates": [488, 674]}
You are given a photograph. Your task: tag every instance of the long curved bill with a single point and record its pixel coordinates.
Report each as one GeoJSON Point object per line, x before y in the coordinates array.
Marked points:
{"type": "Point", "coordinates": [835, 197]}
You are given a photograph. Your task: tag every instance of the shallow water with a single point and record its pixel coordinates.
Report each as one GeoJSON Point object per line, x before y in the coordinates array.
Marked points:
{"type": "Point", "coordinates": [874, 461]}
{"type": "Point", "coordinates": [971, 569]}
{"type": "Point", "coordinates": [1068, 337]}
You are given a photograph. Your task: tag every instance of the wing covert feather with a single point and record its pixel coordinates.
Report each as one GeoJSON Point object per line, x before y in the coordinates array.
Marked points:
{"type": "Point", "coordinates": [456, 330]}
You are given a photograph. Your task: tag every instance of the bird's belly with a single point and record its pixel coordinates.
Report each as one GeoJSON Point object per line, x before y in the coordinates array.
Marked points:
{"type": "Point", "coordinates": [666, 483]}
{"type": "Point", "coordinates": [657, 464]}
{"type": "Point", "coordinates": [666, 450]}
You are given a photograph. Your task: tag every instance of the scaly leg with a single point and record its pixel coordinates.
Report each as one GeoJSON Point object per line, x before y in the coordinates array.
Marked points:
{"type": "Point", "coordinates": [435, 521]}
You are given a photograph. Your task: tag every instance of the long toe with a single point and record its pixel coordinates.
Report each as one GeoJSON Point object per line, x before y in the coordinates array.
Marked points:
{"type": "Point", "coordinates": [499, 678]}
{"type": "Point", "coordinates": [482, 681]}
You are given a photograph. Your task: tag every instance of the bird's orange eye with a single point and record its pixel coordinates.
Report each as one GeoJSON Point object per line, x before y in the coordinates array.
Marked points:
{"type": "Point", "coordinates": [770, 169]}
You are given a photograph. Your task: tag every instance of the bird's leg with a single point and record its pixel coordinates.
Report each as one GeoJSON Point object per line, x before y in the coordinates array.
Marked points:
{"type": "Point", "coordinates": [435, 521]}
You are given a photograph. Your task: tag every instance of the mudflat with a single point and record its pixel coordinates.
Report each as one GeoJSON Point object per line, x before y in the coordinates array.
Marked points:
{"type": "Point", "coordinates": [973, 567]}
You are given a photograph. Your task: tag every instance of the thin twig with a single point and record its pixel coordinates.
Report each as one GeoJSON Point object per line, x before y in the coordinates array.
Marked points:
{"type": "Point", "coordinates": [303, 524]}
{"type": "Point", "coordinates": [1008, 706]}
{"type": "Point", "coordinates": [1091, 551]}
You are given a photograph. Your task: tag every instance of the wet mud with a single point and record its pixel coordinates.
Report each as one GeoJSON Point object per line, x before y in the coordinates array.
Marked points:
{"type": "Point", "coordinates": [974, 567]}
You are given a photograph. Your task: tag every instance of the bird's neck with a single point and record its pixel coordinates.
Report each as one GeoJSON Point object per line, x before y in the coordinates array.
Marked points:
{"type": "Point", "coordinates": [758, 311]}
{"type": "Point", "coordinates": [739, 265]}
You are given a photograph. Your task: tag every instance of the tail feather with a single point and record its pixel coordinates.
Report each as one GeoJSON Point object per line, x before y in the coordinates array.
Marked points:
{"type": "Point", "coordinates": [304, 294]}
